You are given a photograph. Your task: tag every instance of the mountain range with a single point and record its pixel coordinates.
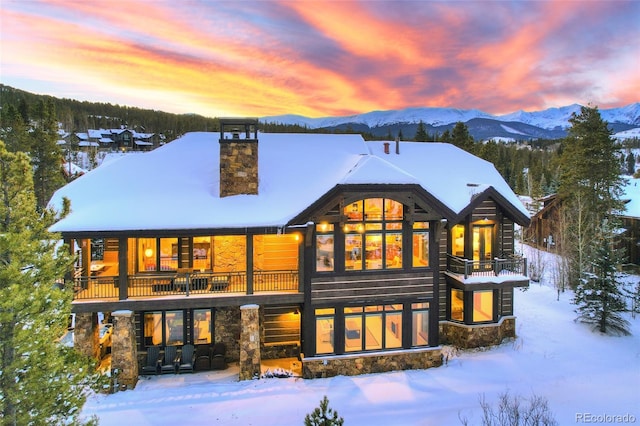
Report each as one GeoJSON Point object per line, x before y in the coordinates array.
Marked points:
{"type": "Point", "coordinates": [551, 123]}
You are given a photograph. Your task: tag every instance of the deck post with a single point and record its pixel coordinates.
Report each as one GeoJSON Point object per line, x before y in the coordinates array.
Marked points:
{"type": "Point", "coordinates": [249, 342]}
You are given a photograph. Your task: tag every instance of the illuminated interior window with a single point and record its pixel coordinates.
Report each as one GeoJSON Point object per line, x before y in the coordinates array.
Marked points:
{"type": "Point", "coordinates": [202, 254]}
{"type": "Point", "coordinates": [164, 328]}
{"type": "Point", "coordinates": [202, 326]}
{"type": "Point", "coordinates": [457, 304]}
{"type": "Point", "coordinates": [457, 240]}
{"type": "Point", "coordinates": [325, 318]}
{"type": "Point", "coordinates": [420, 244]}
{"type": "Point", "coordinates": [157, 254]}
{"type": "Point", "coordinates": [324, 247]}
{"type": "Point", "coordinates": [420, 324]}
{"type": "Point", "coordinates": [482, 305]}
{"type": "Point", "coordinates": [373, 234]}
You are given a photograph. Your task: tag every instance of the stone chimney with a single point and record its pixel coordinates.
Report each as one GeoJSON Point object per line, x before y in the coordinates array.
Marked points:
{"type": "Point", "coordinates": [238, 156]}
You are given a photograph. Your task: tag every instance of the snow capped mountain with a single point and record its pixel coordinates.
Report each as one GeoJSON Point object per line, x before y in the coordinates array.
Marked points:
{"type": "Point", "coordinates": [552, 119]}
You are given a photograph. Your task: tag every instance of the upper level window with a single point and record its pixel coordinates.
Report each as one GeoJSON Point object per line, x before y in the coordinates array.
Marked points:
{"type": "Point", "coordinates": [324, 247]}
{"type": "Point", "coordinates": [373, 234]}
{"type": "Point", "coordinates": [157, 254]}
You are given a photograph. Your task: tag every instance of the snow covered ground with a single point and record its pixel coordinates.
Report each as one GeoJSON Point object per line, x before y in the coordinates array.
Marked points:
{"type": "Point", "coordinates": [580, 372]}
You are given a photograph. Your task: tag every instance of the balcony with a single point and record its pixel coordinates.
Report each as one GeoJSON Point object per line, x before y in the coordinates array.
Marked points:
{"type": "Point", "coordinates": [512, 270]}
{"type": "Point", "coordinates": [185, 284]}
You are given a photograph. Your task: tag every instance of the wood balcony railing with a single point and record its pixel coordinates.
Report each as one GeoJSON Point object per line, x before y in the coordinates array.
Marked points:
{"type": "Point", "coordinates": [184, 284]}
{"type": "Point", "coordinates": [488, 268]}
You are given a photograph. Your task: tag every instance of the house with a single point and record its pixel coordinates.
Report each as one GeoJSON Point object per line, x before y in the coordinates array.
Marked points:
{"type": "Point", "coordinates": [544, 232]}
{"type": "Point", "coordinates": [354, 256]}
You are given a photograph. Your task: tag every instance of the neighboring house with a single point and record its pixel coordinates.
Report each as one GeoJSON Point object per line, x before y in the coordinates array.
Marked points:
{"type": "Point", "coordinates": [543, 232]}
{"type": "Point", "coordinates": [118, 139]}
{"type": "Point", "coordinates": [354, 256]}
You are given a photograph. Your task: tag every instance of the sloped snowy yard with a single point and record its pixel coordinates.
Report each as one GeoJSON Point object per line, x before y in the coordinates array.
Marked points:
{"type": "Point", "coordinates": [580, 373]}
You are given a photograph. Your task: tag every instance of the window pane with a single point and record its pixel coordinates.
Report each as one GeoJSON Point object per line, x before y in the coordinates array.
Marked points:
{"type": "Point", "coordinates": [420, 328]}
{"type": "Point", "coordinates": [393, 250]}
{"type": "Point", "coordinates": [352, 309]}
{"type": "Point", "coordinates": [354, 211]}
{"type": "Point", "coordinates": [352, 333]}
{"type": "Point", "coordinates": [457, 305]}
{"type": "Point", "coordinates": [420, 225]}
{"type": "Point", "coordinates": [324, 335]}
{"type": "Point", "coordinates": [353, 252]}
{"type": "Point", "coordinates": [392, 210]}
{"type": "Point", "coordinates": [373, 227]}
{"type": "Point", "coordinates": [393, 332]}
{"type": "Point", "coordinates": [483, 305]}
{"type": "Point", "coordinates": [420, 249]}
{"type": "Point", "coordinates": [168, 254]}
{"type": "Point", "coordinates": [421, 305]}
{"type": "Point", "coordinates": [202, 253]}
{"type": "Point", "coordinates": [457, 241]}
{"type": "Point", "coordinates": [373, 209]}
{"type": "Point", "coordinates": [175, 328]}
{"type": "Point", "coordinates": [324, 227]}
{"type": "Point", "coordinates": [374, 251]}
{"type": "Point", "coordinates": [325, 311]}
{"type": "Point", "coordinates": [201, 326]}
{"type": "Point", "coordinates": [373, 327]}
{"type": "Point", "coordinates": [147, 254]}
{"type": "Point", "coordinates": [324, 252]}
{"type": "Point", "coordinates": [153, 329]}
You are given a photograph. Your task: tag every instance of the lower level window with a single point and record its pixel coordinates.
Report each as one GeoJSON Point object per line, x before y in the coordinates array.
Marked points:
{"type": "Point", "coordinates": [420, 324]}
{"type": "Point", "coordinates": [325, 318]}
{"type": "Point", "coordinates": [457, 304]}
{"type": "Point", "coordinates": [482, 305]}
{"type": "Point", "coordinates": [372, 327]}
{"type": "Point", "coordinates": [164, 328]}
{"type": "Point", "coordinates": [202, 326]}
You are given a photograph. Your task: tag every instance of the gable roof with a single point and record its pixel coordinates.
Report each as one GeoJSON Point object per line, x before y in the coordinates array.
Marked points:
{"type": "Point", "coordinates": [176, 186]}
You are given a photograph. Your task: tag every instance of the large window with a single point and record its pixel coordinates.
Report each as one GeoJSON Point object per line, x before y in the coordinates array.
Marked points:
{"type": "Point", "coordinates": [164, 328]}
{"type": "Point", "coordinates": [324, 247]}
{"type": "Point", "coordinates": [157, 254]}
{"type": "Point", "coordinates": [457, 240]}
{"type": "Point", "coordinates": [202, 253]}
{"type": "Point", "coordinates": [325, 319]}
{"type": "Point", "coordinates": [373, 234]}
{"type": "Point", "coordinates": [483, 305]}
{"type": "Point", "coordinates": [373, 327]}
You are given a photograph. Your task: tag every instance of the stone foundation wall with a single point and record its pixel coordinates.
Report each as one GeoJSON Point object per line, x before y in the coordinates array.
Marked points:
{"type": "Point", "coordinates": [274, 351]}
{"type": "Point", "coordinates": [227, 331]}
{"type": "Point", "coordinates": [476, 336]}
{"type": "Point", "coordinates": [86, 335]}
{"type": "Point", "coordinates": [124, 352]}
{"type": "Point", "coordinates": [353, 365]}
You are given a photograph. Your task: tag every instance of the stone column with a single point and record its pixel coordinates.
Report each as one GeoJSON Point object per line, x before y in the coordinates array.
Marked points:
{"type": "Point", "coordinates": [85, 335]}
{"type": "Point", "coordinates": [249, 342]}
{"type": "Point", "coordinates": [124, 352]}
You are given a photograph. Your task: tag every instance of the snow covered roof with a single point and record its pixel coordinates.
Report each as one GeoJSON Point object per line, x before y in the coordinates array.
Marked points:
{"type": "Point", "coordinates": [177, 185]}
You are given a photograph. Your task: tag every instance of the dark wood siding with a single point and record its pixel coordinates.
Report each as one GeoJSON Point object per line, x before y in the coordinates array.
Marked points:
{"type": "Point", "coordinates": [508, 235]}
{"type": "Point", "coordinates": [442, 302]}
{"type": "Point", "coordinates": [486, 210]}
{"type": "Point", "coordinates": [281, 324]}
{"type": "Point", "coordinates": [370, 287]}
{"type": "Point", "coordinates": [507, 301]}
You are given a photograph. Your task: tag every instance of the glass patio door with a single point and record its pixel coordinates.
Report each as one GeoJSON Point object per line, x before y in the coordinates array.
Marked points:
{"type": "Point", "coordinates": [482, 242]}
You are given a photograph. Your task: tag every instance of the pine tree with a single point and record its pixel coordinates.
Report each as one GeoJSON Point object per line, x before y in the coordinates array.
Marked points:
{"type": "Point", "coordinates": [323, 416]}
{"type": "Point", "coordinates": [421, 133]}
{"type": "Point", "coordinates": [41, 381]}
{"type": "Point", "coordinates": [461, 138]}
{"type": "Point", "coordinates": [590, 185]}
{"type": "Point", "coordinates": [46, 155]}
{"type": "Point", "coordinates": [599, 296]}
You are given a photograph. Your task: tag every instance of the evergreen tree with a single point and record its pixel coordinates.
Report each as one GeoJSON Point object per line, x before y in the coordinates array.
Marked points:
{"type": "Point", "coordinates": [461, 138]}
{"type": "Point", "coordinates": [323, 416]}
{"type": "Point", "coordinates": [590, 185]}
{"type": "Point", "coordinates": [631, 163]}
{"type": "Point", "coordinates": [599, 296]}
{"type": "Point", "coordinates": [46, 155]}
{"type": "Point", "coordinates": [41, 381]}
{"type": "Point", "coordinates": [14, 130]}
{"type": "Point", "coordinates": [421, 133]}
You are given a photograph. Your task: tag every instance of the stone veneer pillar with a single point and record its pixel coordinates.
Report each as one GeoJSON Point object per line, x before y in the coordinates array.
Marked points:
{"type": "Point", "coordinates": [124, 352]}
{"type": "Point", "coordinates": [86, 335]}
{"type": "Point", "coordinates": [249, 342]}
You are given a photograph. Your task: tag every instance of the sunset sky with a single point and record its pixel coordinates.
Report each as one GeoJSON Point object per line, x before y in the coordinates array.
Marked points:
{"type": "Point", "coordinates": [259, 58]}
